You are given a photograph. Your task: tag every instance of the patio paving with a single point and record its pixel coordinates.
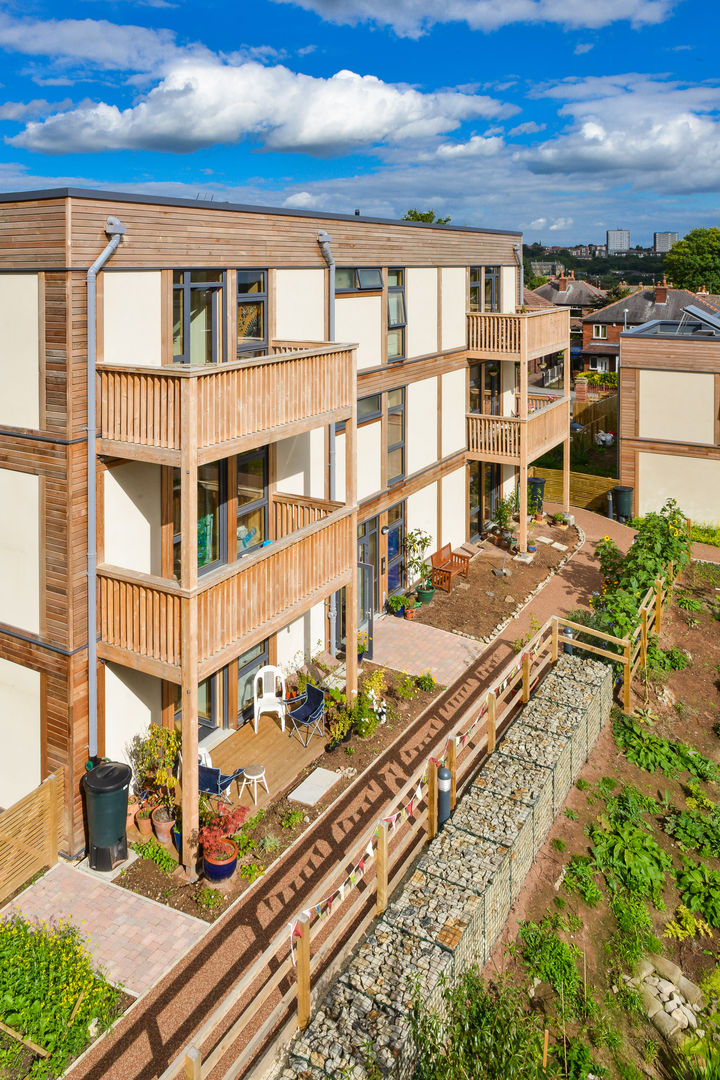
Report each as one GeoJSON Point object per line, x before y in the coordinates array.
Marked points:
{"type": "Point", "coordinates": [132, 938]}
{"type": "Point", "coordinates": [413, 647]}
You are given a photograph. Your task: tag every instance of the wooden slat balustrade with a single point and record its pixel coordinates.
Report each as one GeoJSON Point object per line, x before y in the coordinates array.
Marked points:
{"type": "Point", "coordinates": [524, 336]}
{"type": "Point", "coordinates": [239, 405]}
{"type": "Point", "coordinates": [500, 438]}
{"type": "Point", "coordinates": [140, 617]}
{"type": "Point", "coordinates": [293, 512]}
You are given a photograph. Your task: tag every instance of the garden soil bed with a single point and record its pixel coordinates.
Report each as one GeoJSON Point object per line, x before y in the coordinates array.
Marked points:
{"type": "Point", "coordinates": [349, 759]}
{"type": "Point", "coordinates": [477, 605]}
{"type": "Point", "coordinates": [686, 707]}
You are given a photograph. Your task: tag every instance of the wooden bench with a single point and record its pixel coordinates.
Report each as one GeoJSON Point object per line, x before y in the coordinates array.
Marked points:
{"type": "Point", "coordinates": [446, 565]}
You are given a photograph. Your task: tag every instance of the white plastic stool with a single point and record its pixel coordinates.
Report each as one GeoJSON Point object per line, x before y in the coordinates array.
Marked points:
{"type": "Point", "coordinates": [254, 774]}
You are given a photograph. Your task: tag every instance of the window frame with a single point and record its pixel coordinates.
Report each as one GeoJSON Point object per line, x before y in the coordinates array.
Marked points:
{"type": "Point", "coordinates": [374, 415]}
{"type": "Point", "coordinates": [399, 559]}
{"type": "Point", "coordinates": [255, 347]}
{"type": "Point", "coordinates": [599, 331]}
{"type": "Point", "coordinates": [397, 290]}
{"type": "Point", "coordinates": [397, 410]}
{"type": "Point", "coordinates": [491, 277]}
{"type": "Point", "coordinates": [358, 286]}
{"type": "Point", "coordinates": [262, 503]}
{"type": "Point", "coordinates": [219, 333]}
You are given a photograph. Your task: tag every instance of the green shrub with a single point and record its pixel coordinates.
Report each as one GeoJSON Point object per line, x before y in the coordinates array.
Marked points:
{"type": "Point", "coordinates": [700, 890]}
{"type": "Point", "coordinates": [551, 959]}
{"type": "Point", "coordinates": [270, 844]}
{"type": "Point", "coordinates": [480, 1025]}
{"type": "Point", "coordinates": [634, 936]}
{"type": "Point", "coordinates": [44, 970]}
{"type": "Point", "coordinates": [628, 854]}
{"type": "Point", "coordinates": [153, 851]}
{"type": "Point", "coordinates": [661, 661]}
{"type": "Point", "coordinates": [292, 819]}
{"type": "Point", "coordinates": [425, 681]}
{"type": "Point", "coordinates": [705, 534]}
{"type": "Point", "coordinates": [580, 1062]}
{"type": "Point", "coordinates": [251, 871]}
{"type": "Point", "coordinates": [653, 753]}
{"type": "Point", "coordinates": [687, 602]}
{"type": "Point", "coordinates": [695, 830]}
{"type": "Point", "coordinates": [579, 879]}
{"type": "Point", "coordinates": [208, 899]}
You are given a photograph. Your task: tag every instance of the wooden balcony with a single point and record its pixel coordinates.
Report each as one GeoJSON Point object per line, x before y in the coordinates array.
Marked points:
{"type": "Point", "coordinates": [525, 336]}
{"type": "Point", "coordinates": [510, 441]}
{"type": "Point", "coordinates": [154, 413]}
{"type": "Point", "coordinates": [144, 620]}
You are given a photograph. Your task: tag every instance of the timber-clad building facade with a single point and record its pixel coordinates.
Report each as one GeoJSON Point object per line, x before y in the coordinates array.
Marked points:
{"type": "Point", "coordinates": [259, 435]}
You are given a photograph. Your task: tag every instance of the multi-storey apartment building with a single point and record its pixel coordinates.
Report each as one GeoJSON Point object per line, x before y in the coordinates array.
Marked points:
{"type": "Point", "coordinates": [670, 413]}
{"type": "Point", "coordinates": [617, 241]}
{"type": "Point", "coordinates": [663, 241]}
{"type": "Point", "coordinates": [276, 397]}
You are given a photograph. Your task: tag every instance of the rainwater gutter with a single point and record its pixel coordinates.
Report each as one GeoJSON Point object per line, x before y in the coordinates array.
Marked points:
{"type": "Point", "coordinates": [115, 231]}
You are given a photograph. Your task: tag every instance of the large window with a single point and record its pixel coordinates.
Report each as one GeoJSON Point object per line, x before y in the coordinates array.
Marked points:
{"type": "Point", "coordinates": [396, 315]}
{"type": "Point", "coordinates": [216, 710]}
{"type": "Point", "coordinates": [198, 335]}
{"type": "Point", "coordinates": [396, 547]}
{"type": "Point", "coordinates": [395, 436]}
{"type": "Point", "coordinates": [251, 312]}
{"type": "Point", "coordinates": [484, 288]}
{"type": "Point", "coordinates": [248, 665]}
{"type": "Point", "coordinates": [252, 500]}
{"type": "Point", "coordinates": [364, 279]}
{"type": "Point", "coordinates": [211, 535]}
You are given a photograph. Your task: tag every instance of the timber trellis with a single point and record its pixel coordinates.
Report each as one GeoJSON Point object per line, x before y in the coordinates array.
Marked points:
{"type": "Point", "coordinates": [281, 1002]}
{"type": "Point", "coordinates": [30, 834]}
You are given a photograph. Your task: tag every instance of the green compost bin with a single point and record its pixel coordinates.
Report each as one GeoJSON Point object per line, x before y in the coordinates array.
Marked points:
{"type": "Point", "coordinates": [106, 799]}
{"type": "Point", "coordinates": [536, 492]}
{"type": "Point", "coordinates": [622, 502]}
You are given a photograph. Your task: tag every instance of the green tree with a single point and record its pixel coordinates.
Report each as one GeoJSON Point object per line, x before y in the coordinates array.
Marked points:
{"type": "Point", "coordinates": [617, 292]}
{"type": "Point", "coordinates": [534, 281]}
{"type": "Point", "coordinates": [428, 217]}
{"type": "Point", "coordinates": [695, 261]}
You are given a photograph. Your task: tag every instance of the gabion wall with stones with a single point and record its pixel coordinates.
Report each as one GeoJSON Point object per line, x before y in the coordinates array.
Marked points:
{"type": "Point", "coordinates": [451, 911]}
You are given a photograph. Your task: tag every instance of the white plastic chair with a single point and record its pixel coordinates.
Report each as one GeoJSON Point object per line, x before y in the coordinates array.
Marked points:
{"type": "Point", "coordinates": [269, 692]}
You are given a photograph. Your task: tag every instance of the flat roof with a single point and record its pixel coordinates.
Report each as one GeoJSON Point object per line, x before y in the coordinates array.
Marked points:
{"type": "Point", "coordinates": [215, 204]}
{"type": "Point", "coordinates": [665, 328]}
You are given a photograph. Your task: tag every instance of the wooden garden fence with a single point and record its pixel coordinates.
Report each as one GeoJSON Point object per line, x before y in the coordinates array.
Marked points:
{"type": "Point", "coordinates": [272, 999]}
{"type": "Point", "coordinates": [586, 491]}
{"type": "Point", "coordinates": [30, 833]}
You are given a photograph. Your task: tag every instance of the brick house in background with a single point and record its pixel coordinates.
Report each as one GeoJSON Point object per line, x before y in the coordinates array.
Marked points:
{"type": "Point", "coordinates": [601, 329]}
{"type": "Point", "coordinates": [579, 296]}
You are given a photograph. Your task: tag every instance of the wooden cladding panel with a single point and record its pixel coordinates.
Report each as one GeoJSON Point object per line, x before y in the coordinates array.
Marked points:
{"type": "Point", "coordinates": [32, 234]}
{"type": "Point", "coordinates": [671, 354]}
{"type": "Point", "coordinates": [206, 235]}
{"type": "Point", "coordinates": [408, 371]}
{"type": "Point", "coordinates": [629, 403]}
{"type": "Point", "coordinates": [30, 833]}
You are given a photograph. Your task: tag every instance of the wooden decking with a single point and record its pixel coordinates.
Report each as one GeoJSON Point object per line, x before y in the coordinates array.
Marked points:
{"type": "Point", "coordinates": [284, 758]}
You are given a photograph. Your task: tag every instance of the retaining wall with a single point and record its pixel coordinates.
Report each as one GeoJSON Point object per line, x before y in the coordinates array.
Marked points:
{"type": "Point", "coordinates": [451, 911]}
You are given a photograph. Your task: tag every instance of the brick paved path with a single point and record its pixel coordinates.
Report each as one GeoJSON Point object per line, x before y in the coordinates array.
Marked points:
{"type": "Point", "coordinates": [414, 647]}
{"type": "Point", "coordinates": [143, 1043]}
{"type": "Point", "coordinates": [133, 939]}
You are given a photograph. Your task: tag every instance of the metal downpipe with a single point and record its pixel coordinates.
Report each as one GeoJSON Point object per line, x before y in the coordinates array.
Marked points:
{"type": "Point", "coordinates": [324, 240]}
{"type": "Point", "coordinates": [115, 231]}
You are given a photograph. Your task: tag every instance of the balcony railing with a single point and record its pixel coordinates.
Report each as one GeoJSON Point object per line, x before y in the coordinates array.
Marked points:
{"type": "Point", "coordinates": [524, 336]}
{"type": "Point", "coordinates": [508, 440]}
{"type": "Point", "coordinates": [141, 617]}
{"type": "Point", "coordinates": [151, 413]}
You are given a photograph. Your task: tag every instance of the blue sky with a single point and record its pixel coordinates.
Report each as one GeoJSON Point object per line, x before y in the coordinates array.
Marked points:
{"type": "Point", "coordinates": [558, 117]}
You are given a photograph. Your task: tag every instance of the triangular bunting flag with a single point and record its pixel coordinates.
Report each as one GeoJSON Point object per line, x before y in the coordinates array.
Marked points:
{"type": "Point", "coordinates": [418, 794]}
{"type": "Point", "coordinates": [341, 892]}
{"type": "Point", "coordinates": [369, 851]}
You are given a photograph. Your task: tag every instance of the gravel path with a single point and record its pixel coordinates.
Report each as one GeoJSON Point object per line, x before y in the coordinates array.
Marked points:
{"type": "Point", "coordinates": [161, 1023]}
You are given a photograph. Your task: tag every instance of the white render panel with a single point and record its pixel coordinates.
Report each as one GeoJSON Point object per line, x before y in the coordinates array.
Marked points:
{"type": "Point", "coordinates": [421, 420]}
{"type": "Point", "coordinates": [300, 464]}
{"type": "Point", "coordinates": [133, 701]}
{"type": "Point", "coordinates": [132, 307]}
{"type": "Point", "coordinates": [508, 296]}
{"type": "Point", "coordinates": [453, 508]}
{"type": "Point", "coordinates": [453, 411]}
{"type": "Point", "coordinates": [340, 467]}
{"type": "Point", "coordinates": [300, 305]}
{"type": "Point", "coordinates": [20, 551]}
{"type": "Point", "coordinates": [359, 319]}
{"type": "Point", "coordinates": [421, 513]}
{"type": "Point", "coordinates": [19, 732]}
{"type": "Point", "coordinates": [133, 517]}
{"type": "Point", "coordinates": [508, 386]}
{"type": "Point", "coordinates": [508, 480]}
{"type": "Point", "coordinates": [305, 637]}
{"type": "Point", "coordinates": [19, 351]}
{"type": "Point", "coordinates": [693, 481]}
{"type": "Point", "coordinates": [676, 406]}
{"type": "Point", "coordinates": [421, 311]}
{"type": "Point", "coordinates": [369, 449]}
{"type": "Point", "coordinates": [454, 315]}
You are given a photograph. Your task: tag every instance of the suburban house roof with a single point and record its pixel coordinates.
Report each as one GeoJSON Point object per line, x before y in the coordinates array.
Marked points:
{"type": "Point", "coordinates": [567, 292]}
{"type": "Point", "coordinates": [534, 302]}
{"type": "Point", "coordinates": [642, 306]}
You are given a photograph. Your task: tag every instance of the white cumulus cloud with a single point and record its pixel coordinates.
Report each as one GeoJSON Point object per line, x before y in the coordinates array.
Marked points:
{"type": "Point", "coordinates": [412, 18]}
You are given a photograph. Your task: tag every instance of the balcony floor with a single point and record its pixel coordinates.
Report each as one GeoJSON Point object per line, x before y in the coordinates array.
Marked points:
{"type": "Point", "coordinates": [284, 758]}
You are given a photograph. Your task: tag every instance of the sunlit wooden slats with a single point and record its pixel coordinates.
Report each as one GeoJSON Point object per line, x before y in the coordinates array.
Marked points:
{"type": "Point", "coordinates": [526, 335]}
{"type": "Point", "coordinates": [499, 438]}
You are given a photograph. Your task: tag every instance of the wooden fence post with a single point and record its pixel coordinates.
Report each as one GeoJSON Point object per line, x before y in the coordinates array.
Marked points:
{"type": "Point", "coordinates": [432, 801]}
{"type": "Point", "coordinates": [303, 973]}
{"type": "Point", "coordinates": [381, 869]}
{"type": "Point", "coordinates": [492, 715]}
{"type": "Point", "coordinates": [452, 766]}
{"type": "Point", "coordinates": [554, 653]}
{"type": "Point", "coordinates": [627, 676]}
{"type": "Point", "coordinates": [51, 827]}
{"type": "Point", "coordinates": [643, 637]}
{"type": "Point", "coordinates": [193, 1064]}
{"type": "Point", "coordinates": [658, 604]}
{"type": "Point", "coordinates": [526, 677]}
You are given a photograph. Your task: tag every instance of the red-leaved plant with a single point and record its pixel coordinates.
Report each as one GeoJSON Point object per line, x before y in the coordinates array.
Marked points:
{"type": "Point", "coordinates": [214, 835]}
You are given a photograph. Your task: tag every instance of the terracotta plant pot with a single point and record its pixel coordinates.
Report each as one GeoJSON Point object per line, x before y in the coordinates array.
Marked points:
{"type": "Point", "coordinates": [132, 809]}
{"type": "Point", "coordinates": [221, 869]}
{"type": "Point", "coordinates": [144, 823]}
{"type": "Point", "coordinates": [163, 821]}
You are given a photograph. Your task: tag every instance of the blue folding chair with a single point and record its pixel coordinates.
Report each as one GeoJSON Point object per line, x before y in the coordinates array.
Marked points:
{"type": "Point", "coordinates": [308, 714]}
{"type": "Point", "coordinates": [213, 782]}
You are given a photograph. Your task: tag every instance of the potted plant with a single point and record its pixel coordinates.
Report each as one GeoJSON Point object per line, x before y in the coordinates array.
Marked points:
{"type": "Point", "coordinates": [396, 604]}
{"type": "Point", "coordinates": [502, 517]}
{"type": "Point", "coordinates": [559, 521]}
{"type": "Point", "coordinates": [143, 820]}
{"type": "Point", "coordinates": [417, 543]}
{"type": "Point", "coordinates": [362, 644]}
{"type": "Point", "coordinates": [132, 808]}
{"type": "Point", "coordinates": [412, 607]}
{"type": "Point", "coordinates": [219, 851]}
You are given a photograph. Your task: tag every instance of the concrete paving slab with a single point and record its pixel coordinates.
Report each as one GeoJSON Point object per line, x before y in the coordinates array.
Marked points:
{"type": "Point", "coordinates": [312, 789]}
